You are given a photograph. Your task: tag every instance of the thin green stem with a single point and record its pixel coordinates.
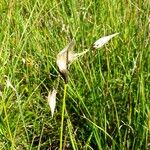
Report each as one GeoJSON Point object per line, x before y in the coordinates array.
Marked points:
{"type": "Point", "coordinates": [8, 126]}
{"type": "Point", "coordinates": [62, 115]}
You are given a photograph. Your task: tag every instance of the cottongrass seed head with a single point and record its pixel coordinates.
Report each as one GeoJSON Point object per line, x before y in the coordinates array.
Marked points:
{"type": "Point", "coordinates": [52, 100]}
{"type": "Point", "coordinates": [64, 58]}
{"type": "Point", "coordinates": [103, 40]}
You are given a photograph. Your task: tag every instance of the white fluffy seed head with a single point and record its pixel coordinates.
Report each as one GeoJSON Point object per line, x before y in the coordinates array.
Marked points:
{"type": "Point", "coordinates": [52, 101]}
{"type": "Point", "coordinates": [63, 59]}
{"type": "Point", "coordinates": [66, 57]}
{"type": "Point", "coordinates": [103, 40]}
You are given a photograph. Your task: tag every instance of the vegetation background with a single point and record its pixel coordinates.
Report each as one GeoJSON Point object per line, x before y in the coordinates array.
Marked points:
{"type": "Point", "coordinates": [108, 93]}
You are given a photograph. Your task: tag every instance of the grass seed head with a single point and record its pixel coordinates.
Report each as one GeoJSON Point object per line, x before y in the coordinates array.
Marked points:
{"type": "Point", "coordinates": [52, 101]}
{"type": "Point", "coordinates": [9, 84]}
{"type": "Point", "coordinates": [64, 57]}
{"type": "Point", "coordinates": [103, 40]}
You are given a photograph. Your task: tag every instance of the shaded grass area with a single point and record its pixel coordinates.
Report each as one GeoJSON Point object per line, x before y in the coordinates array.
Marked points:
{"type": "Point", "coordinates": [108, 93]}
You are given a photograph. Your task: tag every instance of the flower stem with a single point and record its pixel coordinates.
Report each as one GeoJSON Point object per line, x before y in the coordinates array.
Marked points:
{"type": "Point", "coordinates": [62, 115]}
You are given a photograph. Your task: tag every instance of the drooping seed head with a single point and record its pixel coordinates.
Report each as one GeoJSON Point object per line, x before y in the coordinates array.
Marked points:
{"type": "Point", "coordinates": [63, 59]}
{"type": "Point", "coordinates": [66, 57]}
{"type": "Point", "coordinates": [52, 101]}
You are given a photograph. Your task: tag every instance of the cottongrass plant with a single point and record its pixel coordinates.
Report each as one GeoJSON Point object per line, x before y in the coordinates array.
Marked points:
{"type": "Point", "coordinates": [64, 58]}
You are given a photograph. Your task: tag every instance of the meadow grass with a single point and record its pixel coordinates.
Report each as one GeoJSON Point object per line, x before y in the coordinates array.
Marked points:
{"type": "Point", "coordinates": [107, 96]}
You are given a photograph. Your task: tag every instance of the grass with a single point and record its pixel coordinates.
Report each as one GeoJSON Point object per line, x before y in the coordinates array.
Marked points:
{"type": "Point", "coordinates": [107, 97]}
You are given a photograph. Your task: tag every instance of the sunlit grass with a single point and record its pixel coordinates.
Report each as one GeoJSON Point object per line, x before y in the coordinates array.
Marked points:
{"type": "Point", "coordinates": [107, 97]}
